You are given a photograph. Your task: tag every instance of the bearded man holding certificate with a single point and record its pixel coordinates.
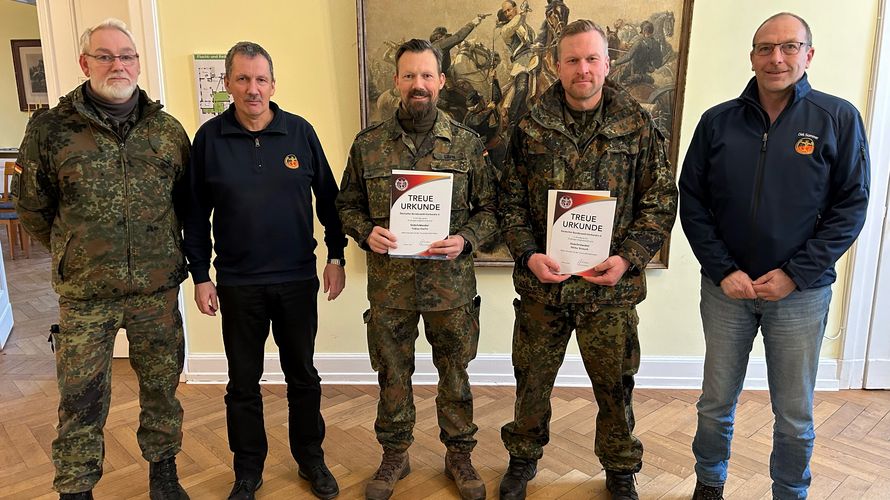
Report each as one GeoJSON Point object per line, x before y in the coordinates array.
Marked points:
{"type": "Point", "coordinates": [420, 139]}
{"type": "Point", "coordinates": [585, 134]}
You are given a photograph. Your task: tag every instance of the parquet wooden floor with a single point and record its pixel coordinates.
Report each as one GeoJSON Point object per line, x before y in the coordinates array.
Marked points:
{"type": "Point", "coordinates": [851, 456]}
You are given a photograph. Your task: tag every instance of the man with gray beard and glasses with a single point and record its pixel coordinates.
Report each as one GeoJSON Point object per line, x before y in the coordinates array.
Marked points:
{"type": "Point", "coordinates": [98, 177]}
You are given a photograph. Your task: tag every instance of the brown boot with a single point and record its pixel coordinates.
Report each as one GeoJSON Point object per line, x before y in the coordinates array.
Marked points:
{"type": "Point", "coordinates": [459, 469]}
{"type": "Point", "coordinates": [394, 466]}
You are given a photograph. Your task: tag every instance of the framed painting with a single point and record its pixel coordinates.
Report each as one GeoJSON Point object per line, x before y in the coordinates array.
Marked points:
{"type": "Point", "coordinates": [30, 78]}
{"type": "Point", "coordinates": [488, 86]}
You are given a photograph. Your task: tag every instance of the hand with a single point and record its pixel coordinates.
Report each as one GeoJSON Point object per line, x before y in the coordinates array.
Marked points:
{"type": "Point", "coordinates": [450, 247]}
{"type": "Point", "coordinates": [774, 285]}
{"type": "Point", "coordinates": [334, 280]}
{"type": "Point", "coordinates": [737, 285]}
{"type": "Point", "coordinates": [609, 271]}
{"type": "Point", "coordinates": [546, 269]}
{"type": "Point", "coordinates": [381, 240]}
{"type": "Point", "coordinates": [205, 298]}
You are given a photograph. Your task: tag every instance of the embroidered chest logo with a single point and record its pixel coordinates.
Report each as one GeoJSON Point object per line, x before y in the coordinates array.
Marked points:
{"type": "Point", "coordinates": [291, 162]}
{"type": "Point", "coordinates": [805, 146]}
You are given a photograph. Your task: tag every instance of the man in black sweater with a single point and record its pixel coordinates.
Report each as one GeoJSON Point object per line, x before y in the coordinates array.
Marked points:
{"type": "Point", "coordinates": [255, 167]}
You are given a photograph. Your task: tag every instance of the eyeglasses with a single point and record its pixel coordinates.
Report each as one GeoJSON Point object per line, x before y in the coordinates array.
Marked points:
{"type": "Point", "coordinates": [787, 48]}
{"type": "Point", "coordinates": [106, 59]}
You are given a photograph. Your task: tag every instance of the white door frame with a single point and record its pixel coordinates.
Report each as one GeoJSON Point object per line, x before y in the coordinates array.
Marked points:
{"type": "Point", "coordinates": [868, 285]}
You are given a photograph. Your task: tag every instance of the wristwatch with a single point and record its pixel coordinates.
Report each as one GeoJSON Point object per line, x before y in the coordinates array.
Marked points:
{"type": "Point", "coordinates": [339, 262]}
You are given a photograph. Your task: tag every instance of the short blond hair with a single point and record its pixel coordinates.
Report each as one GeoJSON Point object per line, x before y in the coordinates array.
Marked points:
{"type": "Point", "coordinates": [578, 27]}
{"type": "Point", "coordinates": [110, 23]}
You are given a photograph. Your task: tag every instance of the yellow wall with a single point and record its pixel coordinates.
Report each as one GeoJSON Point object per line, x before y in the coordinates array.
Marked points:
{"type": "Point", "coordinates": [17, 21]}
{"type": "Point", "coordinates": [316, 67]}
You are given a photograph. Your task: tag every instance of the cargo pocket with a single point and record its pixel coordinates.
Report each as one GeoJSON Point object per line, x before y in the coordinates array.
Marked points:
{"type": "Point", "coordinates": [372, 341]}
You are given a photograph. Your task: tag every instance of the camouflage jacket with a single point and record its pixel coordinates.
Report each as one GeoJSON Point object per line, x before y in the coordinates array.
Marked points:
{"type": "Point", "coordinates": [364, 201]}
{"type": "Point", "coordinates": [103, 204]}
{"type": "Point", "coordinates": [626, 156]}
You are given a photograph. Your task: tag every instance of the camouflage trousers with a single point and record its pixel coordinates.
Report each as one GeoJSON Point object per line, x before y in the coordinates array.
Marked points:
{"type": "Point", "coordinates": [454, 336]}
{"type": "Point", "coordinates": [84, 347]}
{"type": "Point", "coordinates": [607, 339]}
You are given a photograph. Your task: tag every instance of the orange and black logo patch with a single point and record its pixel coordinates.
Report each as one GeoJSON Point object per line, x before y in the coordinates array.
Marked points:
{"type": "Point", "coordinates": [291, 162]}
{"type": "Point", "coordinates": [805, 146]}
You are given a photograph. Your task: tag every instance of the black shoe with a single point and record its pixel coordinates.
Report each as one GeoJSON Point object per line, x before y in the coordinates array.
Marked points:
{"type": "Point", "coordinates": [705, 492]}
{"type": "Point", "coordinates": [163, 483]}
{"type": "Point", "coordinates": [621, 485]}
{"type": "Point", "coordinates": [83, 495]}
{"type": "Point", "coordinates": [244, 489]}
{"type": "Point", "coordinates": [519, 473]}
{"type": "Point", "coordinates": [321, 481]}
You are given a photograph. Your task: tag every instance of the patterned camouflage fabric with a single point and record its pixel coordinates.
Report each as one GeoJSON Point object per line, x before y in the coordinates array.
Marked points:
{"type": "Point", "coordinates": [417, 284]}
{"type": "Point", "coordinates": [607, 338]}
{"type": "Point", "coordinates": [104, 205]}
{"type": "Point", "coordinates": [401, 290]}
{"type": "Point", "coordinates": [454, 336]}
{"type": "Point", "coordinates": [626, 157]}
{"type": "Point", "coordinates": [83, 365]}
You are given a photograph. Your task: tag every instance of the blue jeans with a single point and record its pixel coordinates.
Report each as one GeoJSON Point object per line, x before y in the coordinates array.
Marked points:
{"type": "Point", "coordinates": [792, 337]}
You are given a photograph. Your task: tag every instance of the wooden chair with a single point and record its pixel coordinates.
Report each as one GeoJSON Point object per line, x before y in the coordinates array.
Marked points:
{"type": "Point", "coordinates": [14, 232]}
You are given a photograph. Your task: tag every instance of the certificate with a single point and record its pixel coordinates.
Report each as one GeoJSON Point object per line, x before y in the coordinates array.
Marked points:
{"type": "Point", "coordinates": [579, 229]}
{"type": "Point", "coordinates": [419, 212]}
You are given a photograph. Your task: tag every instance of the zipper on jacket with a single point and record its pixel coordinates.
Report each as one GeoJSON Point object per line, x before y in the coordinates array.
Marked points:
{"type": "Point", "coordinates": [256, 153]}
{"type": "Point", "coordinates": [758, 178]}
{"type": "Point", "coordinates": [130, 266]}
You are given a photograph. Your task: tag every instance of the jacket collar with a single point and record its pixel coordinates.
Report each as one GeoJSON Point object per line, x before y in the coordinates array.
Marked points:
{"type": "Point", "coordinates": [77, 98]}
{"type": "Point", "coordinates": [231, 126]}
{"type": "Point", "coordinates": [801, 89]}
{"type": "Point", "coordinates": [441, 128]}
{"type": "Point", "coordinates": [620, 111]}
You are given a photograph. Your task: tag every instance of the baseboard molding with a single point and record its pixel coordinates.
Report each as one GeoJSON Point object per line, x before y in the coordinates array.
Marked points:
{"type": "Point", "coordinates": [679, 372]}
{"type": "Point", "coordinates": [878, 374]}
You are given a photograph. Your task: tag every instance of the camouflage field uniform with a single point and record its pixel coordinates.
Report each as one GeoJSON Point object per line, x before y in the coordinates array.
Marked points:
{"type": "Point", "coordinates": [625, 154]}
{"type": "Point", "coordinates": [403, 290]}
{"type": "Point", "coordinates": [102, 202]}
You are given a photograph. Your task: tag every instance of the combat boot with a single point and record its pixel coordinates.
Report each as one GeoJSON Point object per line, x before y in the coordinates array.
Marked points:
{"type": "Point", "coordinates": [519, 473]}
{"type": "Point", "coordinates": [163, 482]}
{"type": "Point", "coordinates": [83, 495]}
{"type": "Point", "coordinates": [705, 492]}
{"type": "Point", "coordinates": [459, 469]}
{"type": "Point", "coordinates": [621, 485]}
{"type": "Point", "coordinates": [393, 467]}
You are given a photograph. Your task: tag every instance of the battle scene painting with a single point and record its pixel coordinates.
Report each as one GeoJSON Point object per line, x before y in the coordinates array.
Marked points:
{"type": "Point", "coordinates": [499, 56]}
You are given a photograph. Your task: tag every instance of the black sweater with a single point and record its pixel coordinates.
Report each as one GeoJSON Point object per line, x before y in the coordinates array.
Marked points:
{"type": "Point", "coordinates": [259, 188]}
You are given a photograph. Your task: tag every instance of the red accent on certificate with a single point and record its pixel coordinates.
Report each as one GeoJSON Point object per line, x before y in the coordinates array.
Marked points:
{"type": "Point", "coordinates": [419, 212]}
{"type": "Point", "coordinates": [579, 229]}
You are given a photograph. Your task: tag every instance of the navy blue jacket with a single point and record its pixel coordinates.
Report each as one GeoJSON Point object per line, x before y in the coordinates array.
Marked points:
{"type": "Point", "coordinates": [791, 195]}
{"type": "Point", "coordinates": [260, 191]}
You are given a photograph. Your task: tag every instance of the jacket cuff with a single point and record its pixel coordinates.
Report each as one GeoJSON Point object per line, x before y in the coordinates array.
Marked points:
{"type": "Point", "coordinates": [200, 275]}
{"type": "Point", "coordinates": [635, 253]}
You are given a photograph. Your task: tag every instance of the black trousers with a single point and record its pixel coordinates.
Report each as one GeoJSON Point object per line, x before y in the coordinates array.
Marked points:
{"type": "Point", "coordinates": [246, 313]}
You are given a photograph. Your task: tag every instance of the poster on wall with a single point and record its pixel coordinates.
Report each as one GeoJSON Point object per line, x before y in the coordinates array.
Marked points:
{"type": "Point", "coordinates": [500, 56]}
{"type": "Point", "coordinates": [212, 96]}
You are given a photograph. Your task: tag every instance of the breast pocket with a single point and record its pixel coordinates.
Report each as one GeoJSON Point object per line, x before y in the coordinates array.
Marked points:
{"type": "Point", "coordinates": [460, 189]}
{"type": "Point", "coordinates": [377, 183]}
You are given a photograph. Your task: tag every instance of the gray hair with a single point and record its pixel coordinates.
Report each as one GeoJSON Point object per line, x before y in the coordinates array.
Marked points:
{"type": "Point", "coordinates": [249, 50]}
{"type": "Point", "coordinates": [110, 23]}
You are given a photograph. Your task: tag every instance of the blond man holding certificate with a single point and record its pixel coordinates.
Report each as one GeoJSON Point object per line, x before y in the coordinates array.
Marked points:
{"type": "Point", "coordinates": [397, 167]}
{"type": "Point", "coordinates": [585, 135]}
